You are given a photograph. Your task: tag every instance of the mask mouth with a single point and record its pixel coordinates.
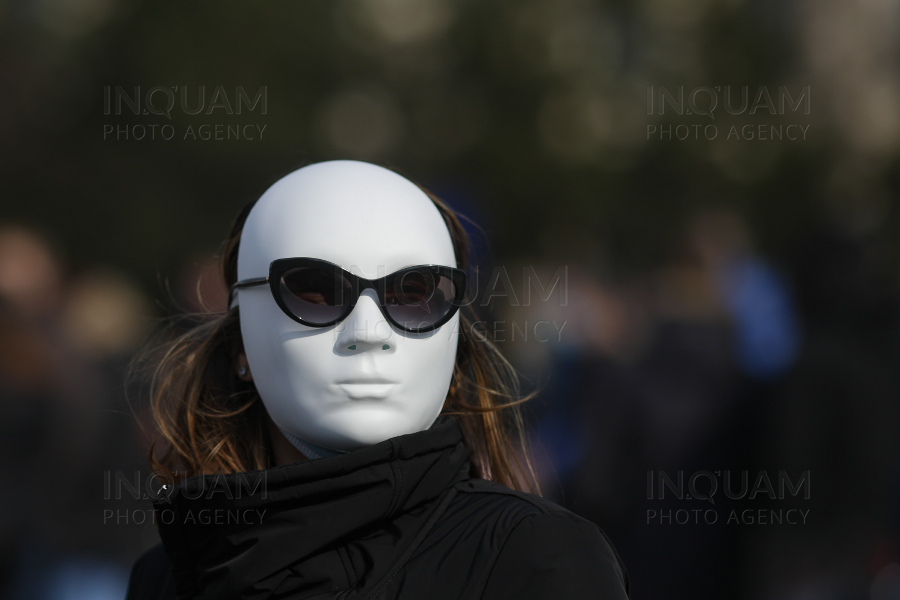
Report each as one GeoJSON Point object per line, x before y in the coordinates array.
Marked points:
{"type": "Point", "coordinates": [361, 391]}
{"type": "Point", "coordinates": [366, 379]}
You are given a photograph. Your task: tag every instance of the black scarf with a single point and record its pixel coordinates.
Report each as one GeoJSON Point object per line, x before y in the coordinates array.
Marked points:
{"type": "Point", "coordinates": [276, 532]}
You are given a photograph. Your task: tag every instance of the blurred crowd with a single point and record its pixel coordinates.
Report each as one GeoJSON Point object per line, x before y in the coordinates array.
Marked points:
{"type": "Point", "coordinates": [722, 360]}
{"type": "Point", "coordinates": [70, 421]}
{"type": "Point", "coordinates": [719, 360]}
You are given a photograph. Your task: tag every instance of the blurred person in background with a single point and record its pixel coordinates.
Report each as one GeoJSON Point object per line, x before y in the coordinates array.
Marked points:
{"type": "Point", "coordinates": [836, 413]}
{"type": "Point", "coordinates": [670, 371]}
{"type": "Point", "coordinates": [65, 341]}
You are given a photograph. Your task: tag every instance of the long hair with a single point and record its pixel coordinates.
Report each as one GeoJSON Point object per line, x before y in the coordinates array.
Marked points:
{"type": "Point", "coordinates": [211, 421]}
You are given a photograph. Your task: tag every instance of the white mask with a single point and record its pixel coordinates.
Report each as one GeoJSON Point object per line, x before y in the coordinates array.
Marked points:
{"type": "Point", "coordinates": [371, 222]}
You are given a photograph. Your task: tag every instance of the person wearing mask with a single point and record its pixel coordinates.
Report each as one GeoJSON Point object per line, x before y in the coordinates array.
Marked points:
{"type": "Point", "coordinates": [340, 431]}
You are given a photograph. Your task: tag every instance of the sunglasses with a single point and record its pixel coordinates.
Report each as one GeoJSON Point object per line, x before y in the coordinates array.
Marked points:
{"type": "Point", "coordinates": [318, 293]}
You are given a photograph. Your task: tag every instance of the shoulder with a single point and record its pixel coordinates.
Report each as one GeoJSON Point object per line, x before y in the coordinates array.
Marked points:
{"type": "Point", "coordinates": [499, 495]}
{"type": "Point", "coordinates": [544, 549]}
{"type": "Point", "coordinates": [151, 577]}
{"type": "Point", "coordinates": [507, 508]}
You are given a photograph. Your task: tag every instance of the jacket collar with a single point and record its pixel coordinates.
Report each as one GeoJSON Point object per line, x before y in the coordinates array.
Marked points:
{"type": "Point", "coordinates": [225, 533]}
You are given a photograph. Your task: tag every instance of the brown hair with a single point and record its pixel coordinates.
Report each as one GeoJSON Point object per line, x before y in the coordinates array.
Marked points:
{"type": "Point", "coordinates": [211, 421]}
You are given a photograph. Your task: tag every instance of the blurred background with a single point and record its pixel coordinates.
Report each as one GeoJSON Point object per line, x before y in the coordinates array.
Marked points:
{"type": "Point", "coordinates": [687, 239]}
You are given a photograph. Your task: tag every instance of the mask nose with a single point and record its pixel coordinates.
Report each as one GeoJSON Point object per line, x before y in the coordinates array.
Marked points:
{"type": "Point", "coordinates": [365, 328]}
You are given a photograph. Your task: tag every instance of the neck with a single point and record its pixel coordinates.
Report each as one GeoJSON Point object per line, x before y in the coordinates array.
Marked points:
{"type": "Point", "coordinates": [308, 449]}
{"type": "Point", "coordinates": [283, 452]}
{"type": "Point", "coordinates": [288, 449]}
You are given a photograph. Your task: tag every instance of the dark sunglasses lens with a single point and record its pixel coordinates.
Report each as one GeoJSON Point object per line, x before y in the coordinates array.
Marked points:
{"type": "Point", "coordinates": [419, 298]}
{"type": "Point", "coordinates": [316, 295]}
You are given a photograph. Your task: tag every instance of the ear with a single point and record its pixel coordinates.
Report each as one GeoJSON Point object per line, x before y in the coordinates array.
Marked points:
{"type": "Point", "coordinates": [243, 368]}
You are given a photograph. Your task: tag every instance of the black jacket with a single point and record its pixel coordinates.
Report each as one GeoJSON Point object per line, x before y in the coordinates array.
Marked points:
{"type": "Point", "coordinates": [400, 519]}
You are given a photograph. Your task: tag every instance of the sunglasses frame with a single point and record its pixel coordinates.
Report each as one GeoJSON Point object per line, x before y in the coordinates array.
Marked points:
{"type": "Point", "coordinates": [280, 266]}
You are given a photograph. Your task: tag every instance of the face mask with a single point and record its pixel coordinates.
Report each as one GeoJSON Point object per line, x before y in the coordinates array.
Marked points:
{"type": "Point", "coordinates": [362, 379]}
